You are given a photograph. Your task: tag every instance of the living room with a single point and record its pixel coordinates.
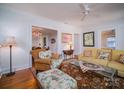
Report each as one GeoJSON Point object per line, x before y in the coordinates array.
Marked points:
{"type": "Point", "coordinates": [69, 19]}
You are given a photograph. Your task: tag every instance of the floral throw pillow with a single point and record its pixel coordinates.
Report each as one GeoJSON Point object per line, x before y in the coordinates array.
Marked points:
{"type": "Point", "coordinates": [104, 55]}
{"type": "Point", "coordinates": [121, 58]}
{"type": "Point", "coordinates": [45, 54]}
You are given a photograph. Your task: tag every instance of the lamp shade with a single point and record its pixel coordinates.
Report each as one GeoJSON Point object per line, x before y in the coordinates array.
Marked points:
{"type": "Point", "coordinates": [10, 41]}
{"type": "Point", "coordinates": [0, 45]}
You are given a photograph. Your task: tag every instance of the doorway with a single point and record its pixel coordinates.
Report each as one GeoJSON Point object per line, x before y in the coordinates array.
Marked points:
{"type": "Point", "coordinates": [108, 39]}
{"type": "Point", "coordinates": [44, 38]}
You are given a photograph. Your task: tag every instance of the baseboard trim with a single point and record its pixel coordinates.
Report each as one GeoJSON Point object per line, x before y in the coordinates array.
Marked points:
{"type": "Point", "coordinates": [6, 70]}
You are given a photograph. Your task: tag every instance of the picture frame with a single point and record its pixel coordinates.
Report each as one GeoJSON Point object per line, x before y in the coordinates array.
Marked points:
{"type": "Point", "coordinates": [88, 39]}
{"type": "Point", "coordinates": [53, 40]}
{"type": "Point", "coordinates": [66, 37]}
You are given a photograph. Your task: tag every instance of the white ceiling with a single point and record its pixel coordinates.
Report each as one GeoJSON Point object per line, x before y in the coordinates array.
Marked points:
{"type": "Point", "coordinates": [71, 13]}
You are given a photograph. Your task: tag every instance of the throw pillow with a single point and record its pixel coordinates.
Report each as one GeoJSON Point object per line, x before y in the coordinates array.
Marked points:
{"type": "Point", "coordinates": [87, 53]}
{"type": "Point", "coordinates": [104, 55]}
{"type": "Point", "coordinates": [45, 54]}
{"type": "Point", "coordinates": [121, 58]}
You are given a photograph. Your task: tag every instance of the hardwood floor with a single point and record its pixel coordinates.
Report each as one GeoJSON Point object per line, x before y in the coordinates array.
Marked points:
{"type": "Point", "coordinates": [23, 79]}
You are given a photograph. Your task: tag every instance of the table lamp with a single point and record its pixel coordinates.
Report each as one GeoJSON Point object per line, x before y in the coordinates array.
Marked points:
{"type": "Point", "coordinates": [10, 41]}
{"type": "Point", "coordinates": [70, 44]}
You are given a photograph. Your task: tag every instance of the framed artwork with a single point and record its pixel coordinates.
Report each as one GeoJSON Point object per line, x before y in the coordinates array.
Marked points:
{"type": "Point", "coordinates": [53, 41]}
{"type": "Point", "coordinates": [66, 37]}
{"type": "Point", "coordinates": [88, 39]}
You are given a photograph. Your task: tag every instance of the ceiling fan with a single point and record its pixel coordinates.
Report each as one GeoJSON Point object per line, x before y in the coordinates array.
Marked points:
{"type": "Point", "coordinates": [85, 10]}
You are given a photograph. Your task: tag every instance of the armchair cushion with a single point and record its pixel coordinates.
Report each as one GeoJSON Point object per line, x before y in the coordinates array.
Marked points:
{"type": "Point", "coordinates": [43, 61]}
{"type": "Point", "coordinates": [42, 67]}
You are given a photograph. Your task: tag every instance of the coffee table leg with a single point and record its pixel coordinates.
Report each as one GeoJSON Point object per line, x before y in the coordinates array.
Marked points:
{"type": "Point", "coordinates": [113, 77]}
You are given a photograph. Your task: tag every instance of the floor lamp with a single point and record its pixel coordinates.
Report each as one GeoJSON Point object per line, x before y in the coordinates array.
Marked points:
{"type": "Point", "coordinates": [0, 67]}
{"type": "Point", "coordinates": [10, 41]}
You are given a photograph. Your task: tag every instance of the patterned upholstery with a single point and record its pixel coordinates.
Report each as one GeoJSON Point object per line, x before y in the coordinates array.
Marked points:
{"type": "Point", "coordinates": [56, 79]}
{"type": "Point", "coordinates": [43, 59]}
{"type": "Point", "coordinates": [104, 55]}
{"type": "Point", "coordinates": [113, 62]}
{"type": "Point", "coordinates": [45, 54]}
{"type": "Point", "coordinates": [121, 58]}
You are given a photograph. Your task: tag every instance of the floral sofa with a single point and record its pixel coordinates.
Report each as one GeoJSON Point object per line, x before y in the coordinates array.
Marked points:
{"type": "Point", "coordinates": [56, 79]}
{"type": "Point", "coordinates": [114, 60]}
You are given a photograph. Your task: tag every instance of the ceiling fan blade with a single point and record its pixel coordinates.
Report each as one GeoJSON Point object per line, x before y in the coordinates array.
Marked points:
{"type": "Point", "coordinates": [84, 10]}
{"type": "Point", "coordinates": [86, 6]}
{"type": "Point", "coordinates": [82, 7]}
{"type": "Point", "coordinates": [82, 19]}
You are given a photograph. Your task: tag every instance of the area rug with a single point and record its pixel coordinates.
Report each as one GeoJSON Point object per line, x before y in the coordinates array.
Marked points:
{"type": "Point", "coordinates": [89, 79]}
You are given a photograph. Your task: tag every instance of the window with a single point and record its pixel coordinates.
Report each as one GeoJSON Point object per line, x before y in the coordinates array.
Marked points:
{"type": "Point", "coordinates": [111, 42]}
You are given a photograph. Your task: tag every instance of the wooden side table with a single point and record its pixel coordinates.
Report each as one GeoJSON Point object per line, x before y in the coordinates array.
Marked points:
{"type": "Point", "coordinates": [68, 53]}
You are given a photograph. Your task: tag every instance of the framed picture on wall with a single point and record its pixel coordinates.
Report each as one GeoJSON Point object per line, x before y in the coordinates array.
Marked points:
{"type": "Point", "coordinates": [88, 39]}
{"type": "Point", "coordinates": [53, 40]}
{"type": "Point", "coordinates": [66, 37]}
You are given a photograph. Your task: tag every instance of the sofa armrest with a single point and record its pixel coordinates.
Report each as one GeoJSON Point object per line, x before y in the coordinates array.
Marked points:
{"type": "Point", "coordinates": [43, 61]}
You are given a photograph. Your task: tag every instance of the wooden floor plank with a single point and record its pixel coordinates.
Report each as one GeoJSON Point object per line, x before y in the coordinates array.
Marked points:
{"type": "Point", "coordinates": [23, 79]}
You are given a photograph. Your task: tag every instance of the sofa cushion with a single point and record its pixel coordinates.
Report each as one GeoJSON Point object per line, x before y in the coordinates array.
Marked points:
{"type": "Point", "coordinates": [86, 58]}
{"type": "Point", "coordinates": [121, 59]}
{"type": "Point", "coordinates": [88, 53]}
{"type": "Point", "coordinates": [95, 61]}
{"type": "Point", "coordinates": [100, 62]}
{"type": "Point", "coordinates": [116, 65]}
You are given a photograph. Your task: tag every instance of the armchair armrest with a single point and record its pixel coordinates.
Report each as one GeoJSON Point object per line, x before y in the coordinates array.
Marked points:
{"type": "Point", "coordinates": [42, 64]}
{"type": "Point", "coordinates": [55, 56]}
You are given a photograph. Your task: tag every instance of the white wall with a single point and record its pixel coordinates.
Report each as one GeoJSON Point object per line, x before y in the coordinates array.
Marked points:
{"type": "Point", "coordinates": [19, 24]}
{"type": "Point", "coordinates": [118, 26]}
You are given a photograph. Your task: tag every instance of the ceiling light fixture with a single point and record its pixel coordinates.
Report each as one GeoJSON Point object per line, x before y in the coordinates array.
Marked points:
{"type": "Point", "coordinates": [85, 10]}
